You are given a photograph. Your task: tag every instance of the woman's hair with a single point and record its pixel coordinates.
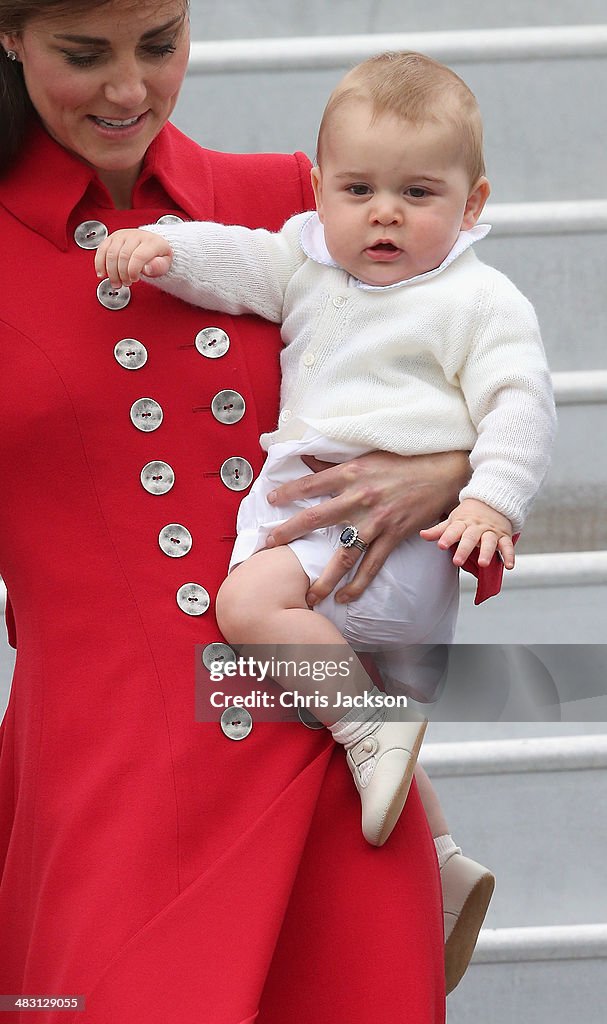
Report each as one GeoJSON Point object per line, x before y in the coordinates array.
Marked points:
{"type": "Point", "coordinates": [417, 89]}
{"type": "Point", "coordinates": [16, 109]}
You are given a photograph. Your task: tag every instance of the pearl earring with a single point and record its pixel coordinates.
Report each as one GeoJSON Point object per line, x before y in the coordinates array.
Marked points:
{"type": "Point", "coordinates": [11, 54]}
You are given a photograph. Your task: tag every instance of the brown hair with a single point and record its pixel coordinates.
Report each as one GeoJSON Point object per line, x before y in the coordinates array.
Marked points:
{"type": "Point", "coordinates": [16, 109]}
{"type": "Point", "coordinates": [417, 89]}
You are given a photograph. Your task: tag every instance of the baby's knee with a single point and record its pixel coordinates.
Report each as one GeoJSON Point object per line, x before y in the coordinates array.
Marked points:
{"type": "Point", "coordinates": [236, 610]}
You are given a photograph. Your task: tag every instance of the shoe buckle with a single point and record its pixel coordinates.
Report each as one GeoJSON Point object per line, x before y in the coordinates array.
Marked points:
{"type": "Point", "coordinates": [363, 750]}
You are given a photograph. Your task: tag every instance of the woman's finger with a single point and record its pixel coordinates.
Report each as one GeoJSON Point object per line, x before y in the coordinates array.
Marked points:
{"type": "Point", "coordinates": [333, 479]}
{"type": "Point", "coordinates": [368, 568]}
{"type": "Point", "coordinates": [327, 513]}
{"type": "Point", "coordinates": [338, 566]}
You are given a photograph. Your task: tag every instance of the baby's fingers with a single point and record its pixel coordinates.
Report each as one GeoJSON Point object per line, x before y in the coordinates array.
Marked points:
{"type": "Point", "coordinates": [487, 547]}
{"type": "Point", "coordinates": [506, 550]}
{"type": "Point", "coordinates": [434, 532]}
{"type": "Point", "coordinates": [158, 266]}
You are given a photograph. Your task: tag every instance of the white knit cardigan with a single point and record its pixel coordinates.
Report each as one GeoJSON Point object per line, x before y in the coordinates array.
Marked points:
{"type": "Point", "coordinates": [449, 360]}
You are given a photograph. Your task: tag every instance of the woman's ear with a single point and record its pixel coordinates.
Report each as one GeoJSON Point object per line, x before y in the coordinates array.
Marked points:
{"type": "Point", "coordinates": [9, 42]}
{"type": "Point", "coordinates": [316, 178]}
{"type": "Point", "coordinates": [475, 203]}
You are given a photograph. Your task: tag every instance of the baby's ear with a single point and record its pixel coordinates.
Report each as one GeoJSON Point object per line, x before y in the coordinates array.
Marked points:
{"type": "Point", "coordinates": [475, 203]}
{"type": "Point", "coordinates": [316, 179]}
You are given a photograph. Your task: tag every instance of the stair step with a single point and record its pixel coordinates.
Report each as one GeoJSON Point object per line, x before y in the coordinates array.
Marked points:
{"type": "Point", "coordinates": [532, 810]}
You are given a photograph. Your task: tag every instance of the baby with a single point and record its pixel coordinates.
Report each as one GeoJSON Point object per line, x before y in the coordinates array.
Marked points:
{"type": "Point", "coordinates": [396, 338]}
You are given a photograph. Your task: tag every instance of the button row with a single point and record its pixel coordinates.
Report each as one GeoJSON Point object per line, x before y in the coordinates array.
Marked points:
{"type": "Point", "coordinates": [91, 233]}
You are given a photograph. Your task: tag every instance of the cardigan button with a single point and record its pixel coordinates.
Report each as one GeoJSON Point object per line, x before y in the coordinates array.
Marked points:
{"type": "Point", "coordinates": [309, 359]}
{"type": "Point", "coordinates": [212, 342]}
{"type": "Point", "coordinates": [339, 301]}
{"type": "Point", "coordinates": [193, 599]}
{"type": "Point", "coordinates": [146, 414]}
{"type": "Point", "coordinates": [236, 723]}
{"type": "Point", "coordinates": [90, 234]}
{"type": "Point", "coordinates": [236, 473]}
{"type": "Point", "coordinates": [157, 477]}
{"type": "Point", "coordinates": [113, 298]}
{"type": "Point", "coordinates": [170, 218]}
{"type": "Point", "coordinates": [175, 540]}
{"type": "Point", "coordinates": [130, 353]}
{"type": "Point", "coordinates": [228, 406]}
{"type": "Point", "coordinates": [216, 655]}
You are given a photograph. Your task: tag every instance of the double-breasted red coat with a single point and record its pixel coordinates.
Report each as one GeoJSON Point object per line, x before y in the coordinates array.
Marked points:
{"type": "Point", "coordinates": [150, 863]}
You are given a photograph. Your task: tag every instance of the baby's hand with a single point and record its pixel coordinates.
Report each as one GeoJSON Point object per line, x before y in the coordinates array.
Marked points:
{"type": "Point", "coordinates": [474, 524]}
{"type": "Point", "coordinates": [125, 255]}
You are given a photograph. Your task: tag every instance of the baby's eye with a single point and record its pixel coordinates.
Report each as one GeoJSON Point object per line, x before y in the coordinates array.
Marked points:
{"type": "Point", "coordinates": [416, 192]}
{"type": "Point", "coordinates": [359, 190]}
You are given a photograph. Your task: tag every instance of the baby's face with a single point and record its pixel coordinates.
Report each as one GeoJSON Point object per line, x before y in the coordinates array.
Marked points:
{"type": "Point", "coordinates": [392, 196]}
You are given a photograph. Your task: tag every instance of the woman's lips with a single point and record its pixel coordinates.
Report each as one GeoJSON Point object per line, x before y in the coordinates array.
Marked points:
{"type": "Point", "coordinates": [118, 127]}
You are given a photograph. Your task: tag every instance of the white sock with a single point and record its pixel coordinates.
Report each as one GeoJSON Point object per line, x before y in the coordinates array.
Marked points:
{"type": "Point", "coordinates": [358, 722]}
{"type": "Point", "coordinates": [445, 848]}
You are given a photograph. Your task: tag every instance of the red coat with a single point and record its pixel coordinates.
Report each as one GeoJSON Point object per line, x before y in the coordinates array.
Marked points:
{"type": "Point", "coordinates": [151, 864]}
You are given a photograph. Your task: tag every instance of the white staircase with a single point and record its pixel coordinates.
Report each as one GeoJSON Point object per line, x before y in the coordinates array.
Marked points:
{"type": "Point", "coordinates": [532, 809]}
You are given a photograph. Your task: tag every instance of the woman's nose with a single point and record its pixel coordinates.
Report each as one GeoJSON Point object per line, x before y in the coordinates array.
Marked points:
{"type": "Point", "coordinates": [126, 87]}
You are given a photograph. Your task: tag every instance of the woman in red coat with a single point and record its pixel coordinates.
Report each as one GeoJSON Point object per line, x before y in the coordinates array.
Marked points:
{"type": "Point", "coordinates": [152, 866]}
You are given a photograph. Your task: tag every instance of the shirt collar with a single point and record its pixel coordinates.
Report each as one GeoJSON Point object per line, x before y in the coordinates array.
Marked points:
{"type": "Point", "coordinates": [47, 183]}
{"type": "Point", "coordinates": [312, 240]}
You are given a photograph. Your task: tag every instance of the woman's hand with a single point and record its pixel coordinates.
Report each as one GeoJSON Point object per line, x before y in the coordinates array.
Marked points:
{"type": "Point", "coordinates": [387, 497]}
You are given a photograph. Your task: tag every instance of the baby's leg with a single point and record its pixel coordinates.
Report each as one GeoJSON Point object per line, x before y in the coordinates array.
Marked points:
{"type": "Point", "coordinates": [263, 602]}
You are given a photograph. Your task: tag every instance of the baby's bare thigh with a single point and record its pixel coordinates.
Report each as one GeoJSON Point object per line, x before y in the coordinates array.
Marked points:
{"type": "Point", "coordinates": [272, 578]}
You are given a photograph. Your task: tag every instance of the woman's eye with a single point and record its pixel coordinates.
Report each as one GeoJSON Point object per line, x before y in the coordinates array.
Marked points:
{"type": "Point", "coordinates": [80, 60]}
{"type": "Point", "coordinates": [161, 51]}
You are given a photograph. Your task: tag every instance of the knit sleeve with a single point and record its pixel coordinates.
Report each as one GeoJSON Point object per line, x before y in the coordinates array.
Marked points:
{"type": "Point", "coordinates": [232, 269]}
{"type": "Point", "coordinates": [508, 390]}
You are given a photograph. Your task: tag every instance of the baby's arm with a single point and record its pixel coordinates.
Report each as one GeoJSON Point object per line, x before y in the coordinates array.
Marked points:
{"type": "Point", "coordinates": [126, 254]}
{"type": "Point", "coordinates": [474, 524]}
{"type": "Point", "coordinates": [232, 269]}
{"type": "Point", "coordinates": [506, 383]}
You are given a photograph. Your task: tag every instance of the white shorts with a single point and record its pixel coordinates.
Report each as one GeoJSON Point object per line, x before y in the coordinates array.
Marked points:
{"type": "Point", "coordinates": [412, 601]}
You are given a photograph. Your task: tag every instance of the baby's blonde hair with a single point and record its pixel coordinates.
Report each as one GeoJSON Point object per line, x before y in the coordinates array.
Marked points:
{"type": "Point", "coordinates": [417, 89]}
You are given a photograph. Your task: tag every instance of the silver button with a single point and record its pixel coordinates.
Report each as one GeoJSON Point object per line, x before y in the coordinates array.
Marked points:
{"type": "Point", "coordinates": [236, 473]}
{"type": "Point", "coordinates": [175, 540]}
{"type": "Point", "coordinates": [217, 654]}
{"type": "Point", "coordinates": [193, 599]}
{"type": "Point", "coordinates": [309, 359]}
{"type": "Point", "coordinates": [285, 415]}
{"type": "Point", "coordinates": [170, 218]}
{"type": "Point", "coordinates": [113, 298]}
{"type": "Point", "coordinates": [228, 406]}
{"type": "Point", "coordinates": [307, 718]}
{"type": "Point", "coordinates": [212, 342]}
{"type": "Point", "coordinates": [90, 234]}
{"type": "Point", "coordinates": [146, 414]}
{"type": "Point", "coordinates": [157, 477]}
{"type": "Point", "coordinates": [236, 723]}
{"type": "Point", "coordinates": [130, 353]}
{"type": "Point", "coordinates": [339, 301]}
